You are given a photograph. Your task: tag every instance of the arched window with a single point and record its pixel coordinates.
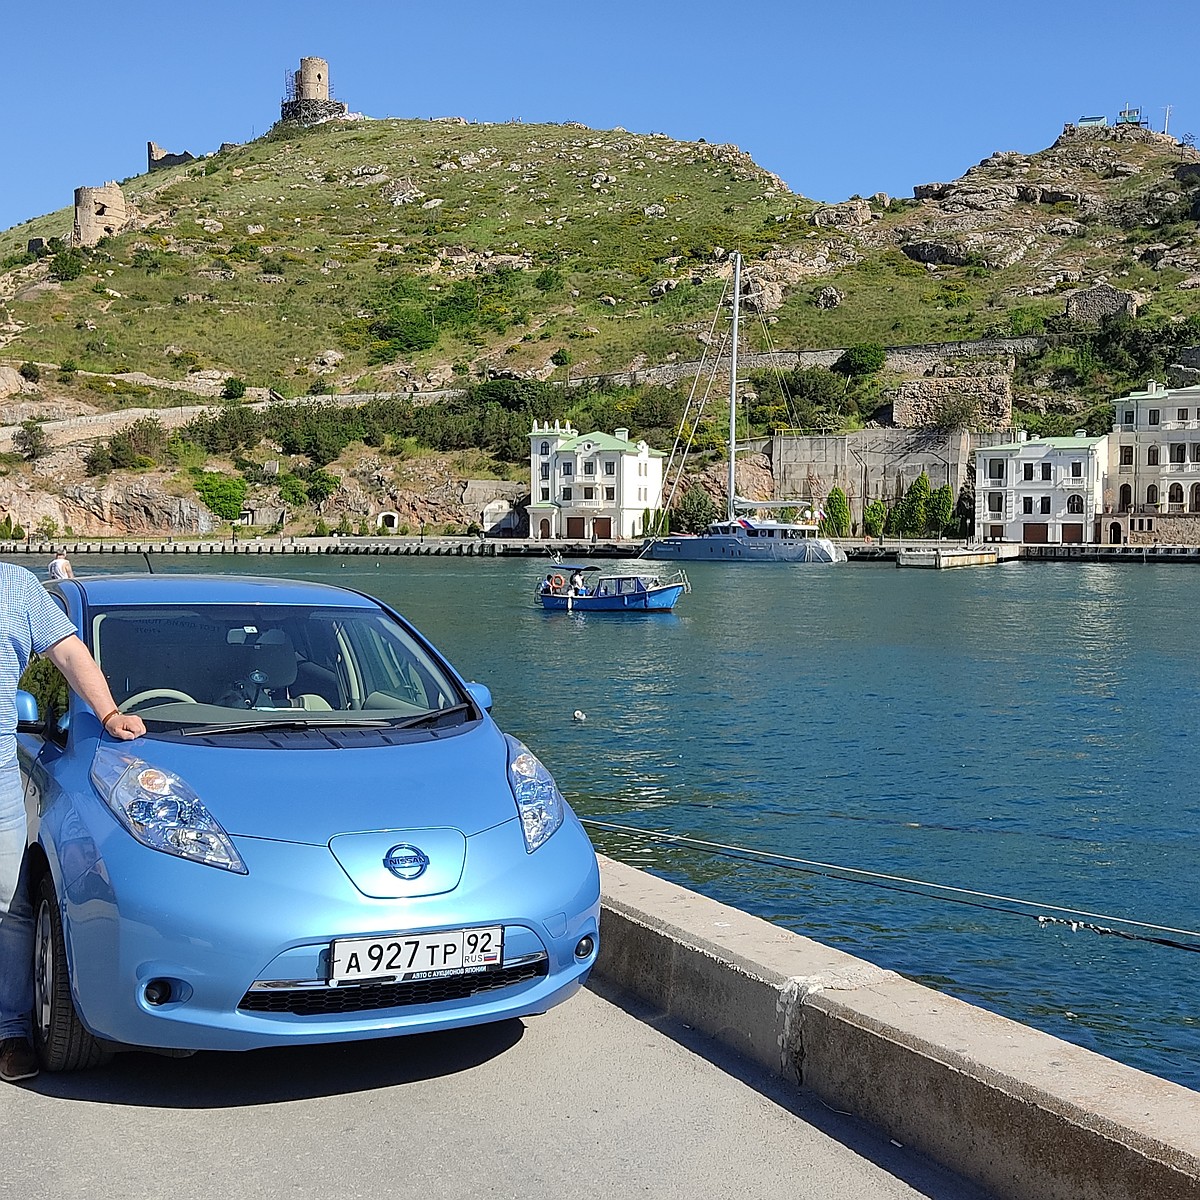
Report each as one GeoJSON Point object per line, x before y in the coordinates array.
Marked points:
{"type": "Point", "coordinates": [1152, 456]}
{"type": "Point", "coordinates": [1126, 497]}
{"type": "Point", "coordinates": [545, 448]}
{"type": "Point", "coordinates": [1175, 495]}
{"type": "Point", "coordinates": [1152, 494]}
{"type": "Point", "coordinates": [1194, 503]}
{"type": "Point", "coordinates": [1075, 504]}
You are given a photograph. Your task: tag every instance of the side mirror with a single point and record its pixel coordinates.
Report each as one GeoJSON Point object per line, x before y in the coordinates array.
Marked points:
{"type": "Point", "coordinates": [481, 694]}
{"type": "Point", "coordinates": [28, 720]}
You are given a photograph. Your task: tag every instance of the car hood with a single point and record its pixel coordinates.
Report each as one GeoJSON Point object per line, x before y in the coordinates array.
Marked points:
{"type": "Point", "coordinates": [312, 795]}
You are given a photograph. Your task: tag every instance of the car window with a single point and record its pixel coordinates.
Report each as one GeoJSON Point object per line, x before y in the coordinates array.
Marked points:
{"type": "Point", "coordinates": [216, 663]}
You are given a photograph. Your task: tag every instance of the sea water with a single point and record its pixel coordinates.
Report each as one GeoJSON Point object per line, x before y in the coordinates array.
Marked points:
{"type": "Point", "coordinates": [1026, 731]}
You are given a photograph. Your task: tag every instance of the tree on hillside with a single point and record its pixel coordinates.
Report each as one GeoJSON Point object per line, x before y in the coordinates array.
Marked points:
{"type": "Point", "coordinates": [695, 511]}
{"type": "Point", "coordinates": [865, 358]}
{"type": "Point", "coordinates": [30, 441]}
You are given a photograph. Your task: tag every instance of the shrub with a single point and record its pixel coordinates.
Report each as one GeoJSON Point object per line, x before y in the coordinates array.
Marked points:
{"type": "Point", "coordinates": [30, 441]}
{"type": "Point", "coordinates": [220, 493]}
{"type": "Point", "coordinates": [694, 512]}
{"type": "Point", "coordinates": [67, 264]}
{"type": "Point", "coordinates": [941, 509]}
{"type": "Point", "coordinates": [234, 389]}
{"type": "Point", "coordinates": [837, 514]}
{"type": "Point", "coordinates": [875, 518]}
{"type": "Point", "coordinates": [30, 372]}
{"type": "Point", "coordinates": [865, 358]}
{"type": "Point", "coordinates": [911, 515]}
{"type": "Point", "coordinates": [292, 491]}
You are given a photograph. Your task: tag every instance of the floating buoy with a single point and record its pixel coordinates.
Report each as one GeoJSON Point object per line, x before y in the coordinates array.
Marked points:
{"type": "Point", "coordinates": [579, 715]}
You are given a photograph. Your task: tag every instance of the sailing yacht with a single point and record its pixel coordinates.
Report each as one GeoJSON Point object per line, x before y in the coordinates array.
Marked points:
{"type": "Point", "coordinates": [736, 538]}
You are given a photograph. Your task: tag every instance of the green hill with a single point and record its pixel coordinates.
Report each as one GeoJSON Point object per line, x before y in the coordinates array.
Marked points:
{"type": "Point", "coordinates": [425, 251]}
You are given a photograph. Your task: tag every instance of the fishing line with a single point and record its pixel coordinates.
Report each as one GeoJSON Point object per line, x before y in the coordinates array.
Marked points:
{"type": "Point", "coordinates": [1075, 918]}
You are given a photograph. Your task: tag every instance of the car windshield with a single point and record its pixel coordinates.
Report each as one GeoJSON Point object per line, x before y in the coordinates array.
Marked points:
{"type": "Point", "coordinates": [233, 667]}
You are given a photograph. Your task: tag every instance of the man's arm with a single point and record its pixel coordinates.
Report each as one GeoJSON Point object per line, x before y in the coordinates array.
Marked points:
{"type": "Point", "coordinates": [72, 658]}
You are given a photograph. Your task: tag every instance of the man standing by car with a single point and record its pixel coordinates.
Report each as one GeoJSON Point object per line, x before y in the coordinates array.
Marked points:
{"type": "Point", "coordinates": [31, 623]}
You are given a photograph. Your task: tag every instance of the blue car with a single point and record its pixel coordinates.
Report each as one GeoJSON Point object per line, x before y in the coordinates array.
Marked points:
{"type": "Point", "coordinates": [322, 837]}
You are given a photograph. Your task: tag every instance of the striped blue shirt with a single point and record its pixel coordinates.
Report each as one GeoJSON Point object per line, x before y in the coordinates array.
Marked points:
{"type": "Point", "coordinates": [30, 623]}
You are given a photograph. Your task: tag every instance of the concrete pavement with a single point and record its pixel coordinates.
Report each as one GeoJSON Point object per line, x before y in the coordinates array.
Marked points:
{"type": "Point", "coordinates": [594, 1099]}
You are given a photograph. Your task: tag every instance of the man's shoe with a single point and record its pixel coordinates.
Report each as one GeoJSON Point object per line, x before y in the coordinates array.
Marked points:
{"type": "Point", "coordinates": [17, 1060]}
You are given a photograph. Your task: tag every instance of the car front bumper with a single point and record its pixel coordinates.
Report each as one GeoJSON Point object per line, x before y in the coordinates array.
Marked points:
{"type": "Point", "coordinates": [222, 942]}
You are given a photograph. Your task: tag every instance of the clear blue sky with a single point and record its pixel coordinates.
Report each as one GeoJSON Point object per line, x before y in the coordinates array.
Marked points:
{"type": "Point", "coordinates": [837, 98]}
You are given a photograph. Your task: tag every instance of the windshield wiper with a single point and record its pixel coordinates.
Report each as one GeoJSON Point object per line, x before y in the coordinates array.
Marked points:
{"type": "Point", "coordinates": [426, 718]}
{"type": "Point", "coordinates": [295, 723]}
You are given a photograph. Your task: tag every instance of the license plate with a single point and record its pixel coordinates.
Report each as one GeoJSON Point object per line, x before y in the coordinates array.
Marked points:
{"type": "Point", "coordinates": [402, 956]}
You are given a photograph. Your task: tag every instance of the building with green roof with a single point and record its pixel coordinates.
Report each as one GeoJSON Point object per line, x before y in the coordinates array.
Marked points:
{"type": "Point", "coordinates": [591, 486]}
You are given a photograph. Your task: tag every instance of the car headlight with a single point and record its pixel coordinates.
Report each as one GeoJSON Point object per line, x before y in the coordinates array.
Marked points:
{"type": "Point", "coordinates": [539, 802]}
{"type": "Point", "coordinates": [161, 811]}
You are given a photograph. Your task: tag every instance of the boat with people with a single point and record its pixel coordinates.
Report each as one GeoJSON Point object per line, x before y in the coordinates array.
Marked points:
{"type": "Point", "coordinates": [591, 589]}
{"type": "Point", "coordinates": [737, 538]}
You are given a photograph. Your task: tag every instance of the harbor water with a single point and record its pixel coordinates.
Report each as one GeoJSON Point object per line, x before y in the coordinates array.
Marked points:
{"type": "Point", "coordinates": [1020, 732]}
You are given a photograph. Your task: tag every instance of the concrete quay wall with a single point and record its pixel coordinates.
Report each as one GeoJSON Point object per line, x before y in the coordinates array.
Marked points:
{"type": "Point", "coordinates": [1022, 1114]}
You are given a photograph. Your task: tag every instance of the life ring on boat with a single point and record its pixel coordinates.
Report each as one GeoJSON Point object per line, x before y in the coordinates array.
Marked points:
{"type": "Point", "coordinates": [556, 581]}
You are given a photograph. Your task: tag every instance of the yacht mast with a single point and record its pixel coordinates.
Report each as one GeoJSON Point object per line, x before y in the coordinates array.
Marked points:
{"type": "Point", "coordinates": [733, 370]}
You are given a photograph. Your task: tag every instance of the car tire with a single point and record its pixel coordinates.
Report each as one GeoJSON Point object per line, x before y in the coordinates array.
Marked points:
{"type": "Point", "coordinates": [62, 1042]}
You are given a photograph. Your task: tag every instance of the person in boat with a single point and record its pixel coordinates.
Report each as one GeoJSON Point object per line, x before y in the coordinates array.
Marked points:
{"type": "Point", "coordinates": [547, 584]}
{"type": "Point", "coordinates": [577, 588]}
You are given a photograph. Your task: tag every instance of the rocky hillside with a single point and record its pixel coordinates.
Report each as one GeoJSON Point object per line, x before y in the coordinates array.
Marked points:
{"type": "Point", "coordinates": [415, 255]}
{"type": "Point", "coordinates": [409, 253]}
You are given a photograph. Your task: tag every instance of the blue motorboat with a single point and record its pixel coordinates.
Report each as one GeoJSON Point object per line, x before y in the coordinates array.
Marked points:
{"type": "Point", "coordinates": [590, 589]}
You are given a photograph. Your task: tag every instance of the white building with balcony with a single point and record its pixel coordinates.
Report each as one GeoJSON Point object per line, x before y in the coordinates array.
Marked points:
{"type": "Point", "coordinates": [1153, 493]}
{"type": "Point", "coordinates": [1045, 491]}
{"type": "Point", "coordinates": [591, 486]}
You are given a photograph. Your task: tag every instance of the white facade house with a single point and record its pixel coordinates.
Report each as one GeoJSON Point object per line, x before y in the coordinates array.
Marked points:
{"type": "Point", "coordinates": [1154, 473]}
{"type": "Point", "coordinates": [1045, 491]}
{"type": "Point", "coordinates": [590, 486]}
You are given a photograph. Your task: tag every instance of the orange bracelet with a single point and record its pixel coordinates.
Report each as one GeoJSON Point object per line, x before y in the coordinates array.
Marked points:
{"type": "Point", "coordinates": [105, 720]}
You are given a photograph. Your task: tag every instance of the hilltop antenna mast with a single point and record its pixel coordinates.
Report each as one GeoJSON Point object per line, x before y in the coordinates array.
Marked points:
{"type": "Point", "coordinates": [1167, 118]}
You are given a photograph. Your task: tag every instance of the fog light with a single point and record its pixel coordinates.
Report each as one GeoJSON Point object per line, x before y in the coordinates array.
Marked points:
{"type": "Point", "coordinates": [585, 947]}
{"type": "Point", "coordinates": [158, 991]}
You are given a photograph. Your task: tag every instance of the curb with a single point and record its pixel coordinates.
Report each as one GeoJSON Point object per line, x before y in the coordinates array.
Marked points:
{"type": "Point", "coordinates": [1022, 1114]}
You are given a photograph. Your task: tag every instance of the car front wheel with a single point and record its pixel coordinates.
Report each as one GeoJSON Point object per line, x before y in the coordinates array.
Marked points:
{"type": "Point", "coordinates": [63, 1044]}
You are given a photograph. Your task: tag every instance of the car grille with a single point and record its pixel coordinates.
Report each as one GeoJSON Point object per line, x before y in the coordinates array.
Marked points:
{"type": "Point", "coordinates": [322, 1001]}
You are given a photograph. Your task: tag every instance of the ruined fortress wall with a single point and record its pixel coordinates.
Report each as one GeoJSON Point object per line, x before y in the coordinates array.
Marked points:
{"type": "Point", "coordinates": [919, 403]}
{"type": "Point", "coordinates": [157, 158]}
{"type": "Point", "coordinates": [1092, 305]}
{"type": "Point", "coordinates": [99, 212]}
{"type": "Point", "coordinates": [910, 360]}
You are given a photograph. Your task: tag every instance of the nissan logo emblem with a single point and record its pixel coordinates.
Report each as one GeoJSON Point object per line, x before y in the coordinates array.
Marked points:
{"type": "Point", "coordinates": [406, 862]}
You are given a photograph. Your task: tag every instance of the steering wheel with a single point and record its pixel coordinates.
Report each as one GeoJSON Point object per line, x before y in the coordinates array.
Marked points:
{"type": "Point", "coordinates": [152, 693]}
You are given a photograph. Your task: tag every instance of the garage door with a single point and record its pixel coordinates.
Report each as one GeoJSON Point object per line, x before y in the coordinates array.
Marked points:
{"type": "Point", "coordinates": [1038, 534]}
{"type": "Point", "coordinates": [602, 527]}
{"type": "Point", "coordinates": [1072, 534]}
{"type": "Point", "coordinates": [575, 527]}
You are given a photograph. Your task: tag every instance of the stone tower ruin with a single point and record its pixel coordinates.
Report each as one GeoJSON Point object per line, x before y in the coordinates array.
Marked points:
{"type": "Point", "coordinates": [307, 99]}
{"type": "Point", "coordinates": [99, 212]}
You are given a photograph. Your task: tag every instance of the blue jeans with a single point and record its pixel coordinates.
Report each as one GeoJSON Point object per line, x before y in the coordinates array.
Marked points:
{"type": "Point", "coordinates": [16, 912]}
